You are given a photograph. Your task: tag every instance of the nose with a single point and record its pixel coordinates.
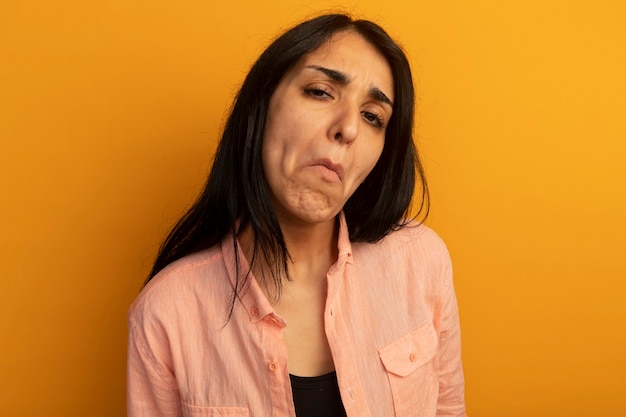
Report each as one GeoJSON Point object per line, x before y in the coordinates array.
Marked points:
{"type": "Point", "coordinates": [345, 123]}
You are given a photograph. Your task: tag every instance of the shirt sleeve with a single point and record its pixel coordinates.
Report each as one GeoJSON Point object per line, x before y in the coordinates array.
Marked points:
{"type": "Point", "coordinates": [151, 387]}
{"type": "Point", "coordinates": [451, 380]}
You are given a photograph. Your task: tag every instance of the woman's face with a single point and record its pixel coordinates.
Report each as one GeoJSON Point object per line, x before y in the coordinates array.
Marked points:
{"type": "Point", "coordinates": [325, 128]}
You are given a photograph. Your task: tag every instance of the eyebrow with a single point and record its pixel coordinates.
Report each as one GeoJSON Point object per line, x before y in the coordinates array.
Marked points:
{"type": "Point", "coordinates": [343, 78]}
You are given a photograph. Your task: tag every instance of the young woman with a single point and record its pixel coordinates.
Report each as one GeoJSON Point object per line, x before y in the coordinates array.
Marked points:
{"type": "Point", "coordinates": [294, 285]}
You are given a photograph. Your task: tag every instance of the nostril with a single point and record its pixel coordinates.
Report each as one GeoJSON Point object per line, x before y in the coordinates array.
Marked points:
{"type": "Point", "coordinates": [338, 135]}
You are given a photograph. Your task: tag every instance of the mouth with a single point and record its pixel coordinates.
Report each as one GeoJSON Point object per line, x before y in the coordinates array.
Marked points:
{"type": "Point", "coordinates": [326, 164]}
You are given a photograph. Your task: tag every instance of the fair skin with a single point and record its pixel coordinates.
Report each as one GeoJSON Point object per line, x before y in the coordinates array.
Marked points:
{"type": "Point", "coordinates": [324, 134]}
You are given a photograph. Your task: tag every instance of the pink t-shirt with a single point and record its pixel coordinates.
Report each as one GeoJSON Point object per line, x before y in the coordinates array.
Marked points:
{"type": "Point", "coordinates": [391, 320]}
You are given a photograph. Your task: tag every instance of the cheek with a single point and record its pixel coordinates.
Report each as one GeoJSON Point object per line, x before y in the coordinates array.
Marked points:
{"type": "Point", "coordinates": [270, 155]}
{"type": "Point", "coordinates": [375, 152]}
{"type": "Point", "coordinates": [368, 160]}
{"type": "Point", "coordinates": [272, 148]}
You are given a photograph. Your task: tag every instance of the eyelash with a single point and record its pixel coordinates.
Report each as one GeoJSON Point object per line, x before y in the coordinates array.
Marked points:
{"type": "Point", "coordinates": [375, 121]}
{"type": "Point", "coordinates": [317, 92]}
{"type": "Point", "coordinates": [320, 93]}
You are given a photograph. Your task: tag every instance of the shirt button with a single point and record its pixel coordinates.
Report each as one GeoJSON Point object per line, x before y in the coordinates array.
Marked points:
{"type": "Point", "coordinates": [254, 311]}
{"type": "Point", "coordinates": [273, 366]}
{"type": "Point", "coordinates": [412, 357]}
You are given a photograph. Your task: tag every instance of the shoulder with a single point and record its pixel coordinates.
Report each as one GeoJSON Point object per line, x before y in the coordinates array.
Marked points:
{"type": "Point", "coordinates": [169, 291]}
{"type": "Point", "coordinates": [413, 258]}
{"type": "Point", "coordinates": [413, 240]}
{"type": "Point", "coordinates": [416, 233]}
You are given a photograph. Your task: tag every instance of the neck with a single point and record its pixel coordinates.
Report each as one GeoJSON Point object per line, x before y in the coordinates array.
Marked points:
{"type": "Point", "coordinates": [312, 249]}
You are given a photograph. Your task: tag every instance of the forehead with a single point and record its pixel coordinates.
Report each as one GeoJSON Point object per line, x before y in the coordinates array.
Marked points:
{"type": "Point", "coordinates": [350, 53]}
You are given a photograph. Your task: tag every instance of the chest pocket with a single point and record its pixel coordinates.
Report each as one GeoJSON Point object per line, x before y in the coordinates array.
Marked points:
{"type": "Point", "coordinates": [196, 411]}
{"type": "Point", "coordinates": [411, 366]}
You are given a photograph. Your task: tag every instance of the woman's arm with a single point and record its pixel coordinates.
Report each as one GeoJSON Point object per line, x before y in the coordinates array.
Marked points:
{"type": "Point", "coordinates": [152, 390]}
{"type": "Point", "coordinates": [451, 381]}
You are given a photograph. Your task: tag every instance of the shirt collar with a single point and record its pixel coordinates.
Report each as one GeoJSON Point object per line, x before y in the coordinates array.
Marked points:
{"type": "Point", "coordinates": [344, 247]}
{"type": "Point", "coordinates": [252, 296]}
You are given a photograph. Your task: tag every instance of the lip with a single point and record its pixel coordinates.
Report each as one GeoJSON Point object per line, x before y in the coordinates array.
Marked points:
{"type": "Point", "coordinates": [327, 163]}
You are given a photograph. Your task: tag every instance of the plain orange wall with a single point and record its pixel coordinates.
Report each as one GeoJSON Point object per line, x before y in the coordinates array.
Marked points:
{"type": "Point", "coordinates": [109, 113]}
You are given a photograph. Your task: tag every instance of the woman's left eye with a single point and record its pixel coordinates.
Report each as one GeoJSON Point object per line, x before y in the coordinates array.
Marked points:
{"type": "Point", "coordinates": [373, 119]}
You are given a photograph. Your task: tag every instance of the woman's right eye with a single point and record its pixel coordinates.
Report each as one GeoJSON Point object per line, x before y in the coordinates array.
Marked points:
{"type": "Point", "coordinates": [317, 92]}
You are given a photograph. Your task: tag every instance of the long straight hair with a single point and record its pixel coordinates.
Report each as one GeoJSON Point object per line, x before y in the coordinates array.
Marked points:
{"type": "Point", "coordinates": [236, 194]}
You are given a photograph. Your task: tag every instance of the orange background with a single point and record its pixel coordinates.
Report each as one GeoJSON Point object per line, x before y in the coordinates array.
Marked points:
{"type": "Point", "coordinates": [109, 113]}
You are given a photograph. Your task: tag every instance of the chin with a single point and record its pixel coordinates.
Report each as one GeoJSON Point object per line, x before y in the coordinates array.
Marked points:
{"type": "Point", "coordinates": [309, 207]}
{"type": "Point", "coordinates": [313, 214]}
{"type": "Point", "coordinates": [316, 217]}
